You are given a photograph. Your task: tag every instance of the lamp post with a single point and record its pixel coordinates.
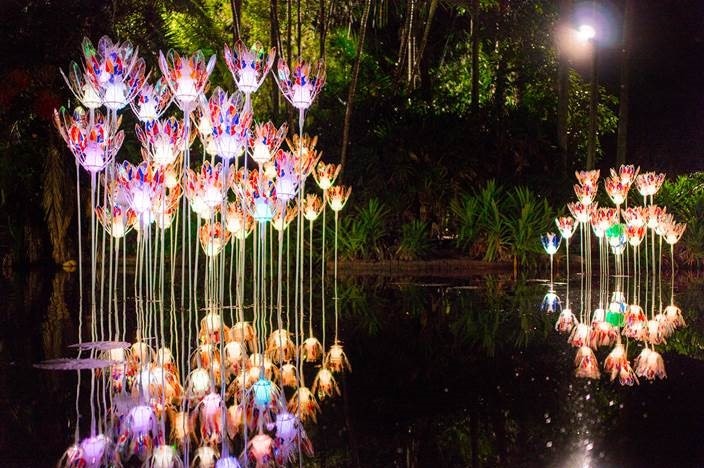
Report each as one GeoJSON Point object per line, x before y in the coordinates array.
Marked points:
{"type": "Point", "coordinates": [587, 33]}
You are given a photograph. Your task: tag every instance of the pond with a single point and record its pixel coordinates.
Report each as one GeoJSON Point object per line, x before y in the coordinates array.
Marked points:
{"type": "Point", "coordinates": [459, 372]}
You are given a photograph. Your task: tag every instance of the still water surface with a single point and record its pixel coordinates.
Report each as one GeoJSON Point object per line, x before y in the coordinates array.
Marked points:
{"type": "Point", "coordinates": [456, 373]}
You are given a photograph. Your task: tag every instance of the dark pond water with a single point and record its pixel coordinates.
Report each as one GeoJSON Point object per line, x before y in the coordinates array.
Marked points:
{"type": "Point", "coordinates": [445, 373]}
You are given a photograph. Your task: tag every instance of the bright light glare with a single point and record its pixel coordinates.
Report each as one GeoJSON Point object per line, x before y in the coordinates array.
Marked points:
{"type": "Point", "coordinates": [586, 32]}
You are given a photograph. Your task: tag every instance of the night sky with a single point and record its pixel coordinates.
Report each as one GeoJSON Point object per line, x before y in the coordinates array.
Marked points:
{"type": "Point", "coordinates": [667, 84]}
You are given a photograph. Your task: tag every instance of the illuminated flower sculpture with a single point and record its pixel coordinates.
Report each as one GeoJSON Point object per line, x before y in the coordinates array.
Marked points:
{"type": "Point", "coordinates": [161, 397]}
{"type": "Point", "coordinates": [140, 184]}
{"type": "Point", "coordinates": [551, 244]}
{"type": "Point", "coordinates": [649, 183]}
{"type": "Point", "coordinates": [116, 222]}
{"type": "Point", "coordinates": [114, 70]}
{"type": "Point", "coordinates": [152, 101]}
{"type": "Point", "coordinates": [94, 145]}
{"type": "Point", "coordinates": [230, 122]}
{"type": "Point", "coordinates": [81, 87]}
{"type": "Point", "coordinates": [301, 83]}
{"type": "Point", "coordinates": [186, 76]}
{"type": "Point", "coordinates": [162, 140]}
{"type": "Point", "coordinates": [249, 65]}
{"type": "Point", "coordinates": [622, 315]}
{"type": "Point", "coordinates": [266, 141]}
{"type": "Point", "coordinates": [325, 175]}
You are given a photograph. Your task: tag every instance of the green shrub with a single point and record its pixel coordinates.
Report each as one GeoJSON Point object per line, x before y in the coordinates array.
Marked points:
{"type": "Point", "coordinates": [414, 243]}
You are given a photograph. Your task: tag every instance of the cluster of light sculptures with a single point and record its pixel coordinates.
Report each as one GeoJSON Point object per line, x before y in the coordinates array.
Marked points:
{"type": "Point", "coordinates": [634, 311]}
{"type": "Point", "coordinates": [185, 388]}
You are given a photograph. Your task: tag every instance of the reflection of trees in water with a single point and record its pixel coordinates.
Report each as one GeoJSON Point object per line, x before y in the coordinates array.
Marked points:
{"type": "Point", "coordinates": [459, 376]}
{"type": "Point", "coordinates": [54, 322]}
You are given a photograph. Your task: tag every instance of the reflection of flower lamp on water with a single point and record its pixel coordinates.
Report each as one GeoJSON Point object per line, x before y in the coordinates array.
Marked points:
{"type": "Point", "coordinates": [551, 244]}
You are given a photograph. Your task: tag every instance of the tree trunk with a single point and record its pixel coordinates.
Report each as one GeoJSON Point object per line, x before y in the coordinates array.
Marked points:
{"type": "Point", "coordinates": [593, 103]}
{"type": "Point", "coordinates": [322, 27]}
{"type": "Point", "coordinates": [275, 38]}
{"type": "Point", "coordinates": [622, 139]}
{"type": "Point", "coordinates": [353, 83]}
{"type": "Point", "coordinates": [56, 203]}
{"type": "Point", "coordinates": [236, 6]}
{"type": "Point", "coordinates": [500, 84]}
{"type": "Point", "coordinates": [424, 40]}
{"type": "Point", "coordinates": [298, 27]}
{"type": "Point", "coordinates": [563, 89]}
{"type": "Point", "coordinates": [475, 55]}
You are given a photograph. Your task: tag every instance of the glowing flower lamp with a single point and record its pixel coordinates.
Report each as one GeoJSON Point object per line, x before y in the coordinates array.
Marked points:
{"type": "Point", "coordinates": [301, 83]}
{"type": "Point", "coordinates": [230, 122]}
{"type": "Point", "coordinates": [266, 141]}
{"type": "Point", "coordinates": [151, 101]}
{"type": "Point", "coordinates": [249, 65]}
{"type": "Point", "coordinates": [162, 140]}
{"type": "Point", "coordinates": [93, 145]}
{"type": "Point", "coordinates": [325, 174]}
{"type": "Point", "coordinates": [186, 76]}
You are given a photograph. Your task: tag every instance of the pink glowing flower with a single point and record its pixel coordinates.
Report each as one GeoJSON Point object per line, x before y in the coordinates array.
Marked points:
{"type": "Point", "coordinates": [116, 222]}
{"type": "Point", "coordinates": [653, 213]}
{"type": "Point", "coordinates": [261, 449]}
{"type": "Point", "coordinates": [602, 219]}
{"type": "Point", "coordinates": [114, 70]}
{"type": "Point", "coordinates": [617, 190]}
{"type": "Point", "coordinates": [566, 226]}
{"type": "Point", "coordinates": [586, 363]}
{"type": "Point", "coordinates": [617, 365]}
{"type": "Point", "coordinates": [303, 149]}
{"type": "Point", "coordinates": [93, 145]}
{"type": "Point", "coordinates": [635, 235]}
{"type": "Point", "coordinates": [237, 222]}
{"type": "Point", "coordinates": [581, 212]}
{"type": "Point", "coordinates": [213, 238]}
{"type": "Point", "coordinates": [673, 232]}
{"type": "Point", "coordinates": [141, 184]}
{"type": "Point", "coordinates": [634, 216]}
{"type": "Point", "coordinates": [325, 174]}
{"type": "Point", "coordinates": [230, 122]}
{"type": "Point", "coordinates": [649, 183]}
{"type": "Point", "coordinates": [266, 141]}
{"type": "Point", "coordinates": [258, 193]}
{"type": "Point", "coordinates": [588, 178]}
{"type": "Point", "coordinates": [602, 333]}
{"type": "Point", "coordinates": [82, 87]}
{"type": "Point", "coordinates": [204, 189]}
{"type": "Point", "coordinates": [312, 207]}
{"type": "Point", "coordinates": [565, 321]}
{"type": "Point", "coordinates": [249, 65]}
{"type": "Point", "coordinates": [585, 193]}
{"type": "Point", "coordinates": [287, 180]}
{"type": "Point", "coordinates": [626, 173]}
{"type": "Point", "coordinates": [338, 196]}
{"type": "Point", "coordinates": [302, 86]}
{"type": "Point", "coordinates": [579, 336]}
{"type": "Point", "coordinates": [151, 101]}
{"type": "Point", "coordinates": [162, 140]}
{"type": "Point", "coordinates": [186, 76]}
{"type": "Point", "coordinates": [649, 364]}
{"type": "Point", "coordinates": [634, 323]}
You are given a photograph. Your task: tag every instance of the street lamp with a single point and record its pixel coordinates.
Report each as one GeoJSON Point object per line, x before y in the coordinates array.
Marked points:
{"type": "Point", "coordinates": [587, 34]}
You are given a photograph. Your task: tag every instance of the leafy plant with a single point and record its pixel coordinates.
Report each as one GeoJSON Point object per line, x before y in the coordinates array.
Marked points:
{"type": "Point", "coordinates": [464, 212]}
{"type": "Point", "coordinates": [414, 241]}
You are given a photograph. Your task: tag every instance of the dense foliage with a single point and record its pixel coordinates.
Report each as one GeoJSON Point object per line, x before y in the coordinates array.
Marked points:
{"type": "Point", "coordinates": [417, 139]}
